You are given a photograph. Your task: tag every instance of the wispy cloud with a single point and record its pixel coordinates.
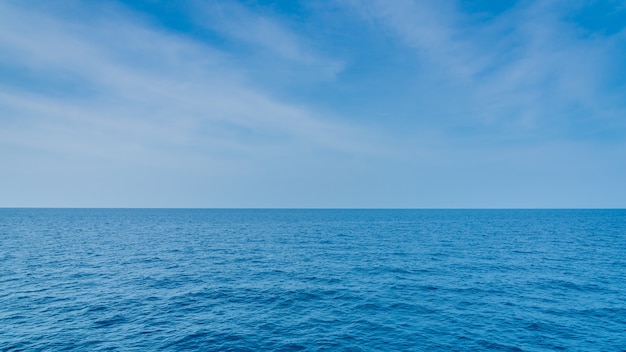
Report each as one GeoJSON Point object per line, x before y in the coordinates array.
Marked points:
{"type": "Point", "coordinates": [144, 90]}
{"type": "Point", "coordinates": [526, 72]}
{"type": "Point", "coordinates": [263, 30]}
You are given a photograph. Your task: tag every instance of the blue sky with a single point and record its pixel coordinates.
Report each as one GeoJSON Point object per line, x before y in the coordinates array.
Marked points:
{"type": "Point", "coordinates": [418, 104]}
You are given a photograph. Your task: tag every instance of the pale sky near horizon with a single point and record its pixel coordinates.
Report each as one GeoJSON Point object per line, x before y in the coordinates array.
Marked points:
{"type": "Point", "coordinates": [338, 103]}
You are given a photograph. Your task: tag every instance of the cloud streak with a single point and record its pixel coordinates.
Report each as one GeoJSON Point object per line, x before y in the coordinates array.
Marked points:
{"type": "Point", "coordinates": [526, 72]}
{"type": "Point", "coordinates": [143, 88]}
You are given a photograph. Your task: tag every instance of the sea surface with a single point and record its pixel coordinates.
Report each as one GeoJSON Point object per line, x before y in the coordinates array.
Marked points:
{"type": "Point", "coordinates": [312, 280]}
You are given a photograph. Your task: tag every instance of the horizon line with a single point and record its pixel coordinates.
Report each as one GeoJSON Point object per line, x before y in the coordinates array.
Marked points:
{"type": "Point", "coordinates": [319, 208]}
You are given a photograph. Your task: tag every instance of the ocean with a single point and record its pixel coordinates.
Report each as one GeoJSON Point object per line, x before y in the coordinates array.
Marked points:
{"type": "Point", "coordinates": [312, 280]}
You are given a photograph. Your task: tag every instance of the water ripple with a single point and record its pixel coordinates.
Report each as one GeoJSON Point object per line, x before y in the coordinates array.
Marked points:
{"type": "Point", "coordinates": [312, 280]}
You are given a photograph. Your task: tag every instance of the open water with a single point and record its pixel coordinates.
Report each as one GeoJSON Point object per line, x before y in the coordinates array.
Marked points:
{"type": "Point", "coordinates": [314, 280]}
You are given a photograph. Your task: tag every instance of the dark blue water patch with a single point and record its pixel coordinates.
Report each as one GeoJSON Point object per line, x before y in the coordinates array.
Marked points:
{"type": "Point", "coordinates": [314, 280]}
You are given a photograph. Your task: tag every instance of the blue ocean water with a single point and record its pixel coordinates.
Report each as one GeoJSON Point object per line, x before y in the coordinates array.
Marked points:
{"type": "Point", "coordinates": [314, 280]}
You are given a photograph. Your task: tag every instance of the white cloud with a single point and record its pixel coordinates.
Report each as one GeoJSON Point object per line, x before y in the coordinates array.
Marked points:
{"type": "Point", "coordinates": [265, 31]}
{"type": "Point", "coordinates": [521, 71]}
{"type": "Point", "coordinates": [146, 92]}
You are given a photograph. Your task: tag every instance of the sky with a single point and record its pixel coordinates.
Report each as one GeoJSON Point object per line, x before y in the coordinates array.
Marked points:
{"type": "Point", "coordinates": [313, 104]}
